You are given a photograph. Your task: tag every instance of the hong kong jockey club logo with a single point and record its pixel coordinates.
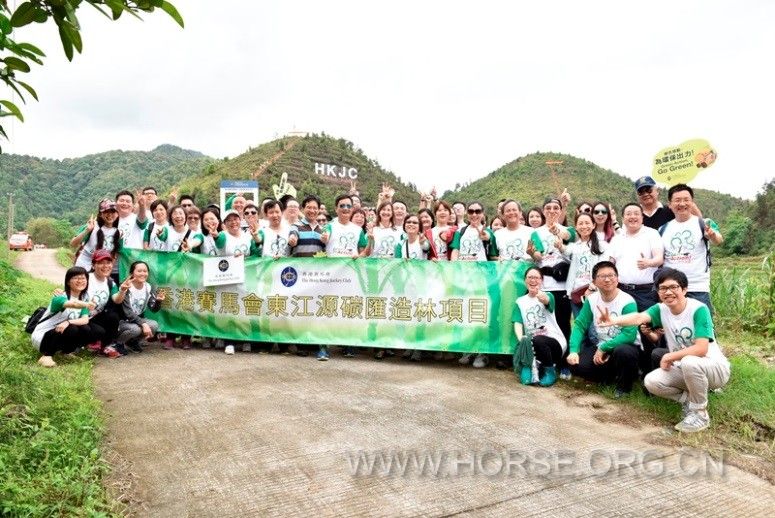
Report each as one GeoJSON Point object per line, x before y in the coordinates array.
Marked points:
{"type": "Point", "coordinates": [223, 265]}
{"type": "Point", "coordinates": [288, 276]}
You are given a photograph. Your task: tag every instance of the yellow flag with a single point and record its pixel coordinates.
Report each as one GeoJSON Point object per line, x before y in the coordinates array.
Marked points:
{"type": "Point", "coordinates": [680, 164]}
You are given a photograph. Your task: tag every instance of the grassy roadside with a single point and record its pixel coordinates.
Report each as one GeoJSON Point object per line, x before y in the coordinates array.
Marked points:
{"type": "Point", "coordinates": [65, 257]}
{"type": "Point", "coordinates": [50, 420]}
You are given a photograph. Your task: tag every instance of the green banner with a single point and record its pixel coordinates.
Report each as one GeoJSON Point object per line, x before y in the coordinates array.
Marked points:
{"type": "Point", "coordinates": [457, 306]}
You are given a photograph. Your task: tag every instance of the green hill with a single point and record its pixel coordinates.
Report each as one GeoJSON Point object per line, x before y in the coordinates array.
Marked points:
{"type": "Point", "coordinates": [72, 187]}
{"type": "Point", "coordinates": [298, 156]}
{"type": "Point", "coordinates": [529, 180]}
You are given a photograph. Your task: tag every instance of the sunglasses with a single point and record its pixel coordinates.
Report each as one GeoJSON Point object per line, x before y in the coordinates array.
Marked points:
{"type": "Point", "coordinates": [601, 211]}
{"type": "Point", "coordinates": [644, 192]}
{"type": "Point", "coordinates": [250, 212]}
{"type": "Point", "coordinates": [475, 211]}
{"type": "Point", "coordinates": [345, 206]}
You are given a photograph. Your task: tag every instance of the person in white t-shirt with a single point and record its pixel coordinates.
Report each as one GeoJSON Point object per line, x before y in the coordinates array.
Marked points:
{"type": "Point", "coordinates": [471, 243]}
{"type": "Point", "coordinates": [535, 326]}
{"type": "Point", "coordinates": [695, 362]}
{"type": "Point", "coordinates": [637, 252]}
{"type": "Point", "coordinates": [342, 237]}
{"type": "Point", "coordinates": [584, 254]}
{"type": "Point", "coordinates": [155, 237]}
{"type": "Point", "coordinates": [512, 243]}
{"type": "Point", "coordinates": [104, 235]}
{"type": "Point", "coordinates": [130, 225]}
{"type": "Point", "coordinates": [687, 240]}
{"type": "Point", "coordinates": [275, 239]}
{"type": "Point", "coordinates": [384, 235]}
{"type": "Point", "coordinates": [443, 232]}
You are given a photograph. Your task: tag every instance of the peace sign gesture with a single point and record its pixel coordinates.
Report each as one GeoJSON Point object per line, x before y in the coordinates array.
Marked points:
{"type": "Point", "coordinates": [605, 319]}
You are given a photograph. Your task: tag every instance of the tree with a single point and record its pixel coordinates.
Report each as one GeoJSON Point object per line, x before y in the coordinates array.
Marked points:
{"type": "Point", "coordinates": [49, 231]}
{"type": "Point", "coordinates": [16, 57]}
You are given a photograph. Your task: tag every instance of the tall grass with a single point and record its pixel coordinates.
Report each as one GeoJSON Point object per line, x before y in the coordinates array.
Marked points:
{"type": "Point", "coordinates": [50, 420]}
{"type": "Point", "coordinates": [743, 295]}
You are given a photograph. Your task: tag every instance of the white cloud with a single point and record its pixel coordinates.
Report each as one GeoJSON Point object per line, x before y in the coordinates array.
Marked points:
{"type": "Point", "coordinates": [439, 92]}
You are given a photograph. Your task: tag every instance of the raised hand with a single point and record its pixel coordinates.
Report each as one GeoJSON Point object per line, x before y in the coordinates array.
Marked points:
{"type": "Point", "coordinates": [324, 237]}
{"type": "Point", "coordinates": [161, 295]}
{"type": "Point", "coordinates": [565, 197]}
{"type": "Point", "coordinates": [127, 283]}
{"type": "Point", "coordinates": [642, 263]}
{"type": "Point", "coordinates": [91, 223]}
{"type": "Point", "coordinates": [293, 240]}
{"type": "Point", "coordinates": [604, 320]}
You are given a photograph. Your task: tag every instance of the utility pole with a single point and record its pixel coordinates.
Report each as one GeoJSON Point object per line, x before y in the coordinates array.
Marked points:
{"type": "Point", "coordinates": [10, 215]}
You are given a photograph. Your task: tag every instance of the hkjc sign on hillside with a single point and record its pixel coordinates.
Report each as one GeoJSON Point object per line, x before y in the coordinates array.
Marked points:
{"type": "Point", "coordinates": [336, 171]}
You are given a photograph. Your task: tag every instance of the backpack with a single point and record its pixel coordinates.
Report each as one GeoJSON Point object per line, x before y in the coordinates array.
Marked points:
{"type": "Point", "coordinates": [708, 259]}
{"type": "Point", "coordinates": [36, 318]}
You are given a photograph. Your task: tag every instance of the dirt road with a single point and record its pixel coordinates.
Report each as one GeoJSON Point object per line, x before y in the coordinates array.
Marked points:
{"type": "Point", "coordinates": [41, 263]}
{"type": "Point", "coordinates": [200, 433]}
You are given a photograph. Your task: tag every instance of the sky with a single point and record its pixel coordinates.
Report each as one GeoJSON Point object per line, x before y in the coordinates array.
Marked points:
{"type": "Point", "coordinates": [437, 92]}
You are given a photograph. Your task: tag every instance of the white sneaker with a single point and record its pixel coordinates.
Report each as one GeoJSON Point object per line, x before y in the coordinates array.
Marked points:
{"type": "Point", "coordinates": [695, 421]}
{"type": "Point", "coordinates": [229, 349]}
{"type": "Point", "coordinates": [47, 361]}
{"type": "Point", "coordinates": [481, 361]}
{"type": "Point", "coordinates": [246, 348]}
{"type": "Point", "coordinates": [465, 359]}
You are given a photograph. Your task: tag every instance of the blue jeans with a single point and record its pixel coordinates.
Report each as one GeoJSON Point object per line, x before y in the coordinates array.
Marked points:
{"type": "Point", "coordinates": [702, 296]}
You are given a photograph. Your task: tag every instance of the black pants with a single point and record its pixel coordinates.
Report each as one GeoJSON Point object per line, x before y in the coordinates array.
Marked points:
{"type": "Point", "coordinates": [67, 341]}
{"type": "Point", "coordinates": [105, 323]}
{"type": "Point", "coordinates": [547, 350]}
{"type": "Point", "coordinates": [621, 367]}
{"type": "Point", "coordinates": [656, 358]}
{"type": "Point", "coordinates": [562, 312]}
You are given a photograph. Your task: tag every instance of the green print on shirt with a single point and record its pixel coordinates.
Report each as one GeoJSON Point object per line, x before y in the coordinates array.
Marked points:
{"type": "Point", "coordinates": [612, 331]}
{"type": "Point", "coordinates": [470, 246]}
{"type": "Point", "coordinates": [514, 250]}
{"type": "Point", "coordinates": [242, 248]}
{"type": "Point", "coordinates": [682, 243]}
{"type": "Point", "coordinates": [137, 306]}
{"type": "Point", "coordinates": [535, 318]}
{"type": "Point", "coordinates": [278, 245]}
{"type": "Point", "coordinates": [684, 338]}
{"type": "Point", "coordinates": [386, 246]}
{"type": "Point", "coordinates": [100, 298]}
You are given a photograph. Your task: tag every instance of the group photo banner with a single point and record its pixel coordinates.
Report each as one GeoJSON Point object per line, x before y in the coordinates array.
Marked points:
{"type": "Point", "coordinates": [460, 306]}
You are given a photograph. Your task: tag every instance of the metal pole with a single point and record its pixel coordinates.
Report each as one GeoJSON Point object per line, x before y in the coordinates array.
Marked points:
{"type": "Point", "coordinates": [10, 215]}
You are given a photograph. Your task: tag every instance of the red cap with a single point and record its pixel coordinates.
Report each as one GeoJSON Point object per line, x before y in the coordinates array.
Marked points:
{"type": "Point", "coordinates": [101, 255]}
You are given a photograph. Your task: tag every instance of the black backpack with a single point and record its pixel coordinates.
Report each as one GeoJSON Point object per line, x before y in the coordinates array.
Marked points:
{"type": "Point", "coordinates": [36, 318]}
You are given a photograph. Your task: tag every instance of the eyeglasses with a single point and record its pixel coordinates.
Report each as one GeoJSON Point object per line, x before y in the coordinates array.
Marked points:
{"type": "Point", "coordinates": [250, 212]}
{"type": "Point", "coordinates": [601, 211]}
{"type": "Point", "coordinates": [411, 222]}
{"type": "Point", "coordinates": [194, 218]}
{"type": "Point", "coordinates": [606, 276]}
{"type": "Point", "coordinates": [672, 287]}
{"type": "Point", "coordinates": [475, 211]}
{"type": "Point", "coordinates": [345, 206]}
{"type": "Point", "coordinates": [322, 220]}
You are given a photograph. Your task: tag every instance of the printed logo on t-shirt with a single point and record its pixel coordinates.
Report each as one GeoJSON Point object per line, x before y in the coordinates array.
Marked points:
{"type": "Point", "coordinates": [470, 246]}
{"type": "Point", "coordinates": [100, 298]}
{"type": "Point", "coordinates": [278, 246]}
{"type": "Point", "coordinates": [386, 246]}
{"type": "Point", "coordinates": [138, 305]}
{"type": "Point", "coordinates": [681, 246]}
{"type": "Point", "coordinates": [536, 319]}
{"type": "Point", "coordinates": [514, 250]}
{"type": "Point", "coordinates": [345, 243]}
{"type": "Point", "coordinates": [684, 337]}
{"type": "Point", "coordinates": [612, 331]}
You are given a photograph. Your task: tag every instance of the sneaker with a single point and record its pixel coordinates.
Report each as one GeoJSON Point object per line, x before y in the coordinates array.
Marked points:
{"type": "Point", "coordinates": [206, 343]}
{"type": "Point", "coordinates": [111, 352]}
{"type": "Point", "coordinates": [168, 344]}
{"type": "Point", "coordinates": [229, 349]}
{"type": "Point", "coordinates": [219, 344]}
{"type": "Point", "coordinates": [293, 349]}
{"type": "Point", "coordinates": [349, 352]}
{"type": "Point", "coordinates": [390, 353]}
{"type": "Point", "coordinates": [121, 349]}
{"type": "Point", "coordinates": [416, 356]}
{"type": "Point", "coordinates": [379, 355]}
{"type": "Point", "coordinates": [549, 378]}
{"type": "Point", "coordinates": [465, 359]}
{"type": "Point", "coordinates": [565, 374]}
{"type": "Point", "coordinates": [685, 409]}
{"type": "Point", "coordinates": [94, 347]}
{"type": "Point", "coordinates": [47, 361]}
{"type": "Point", "coordinates": [526, 375]}
{"type": "Point", "coordinates": [406, 354]}
{"type": "Point", "coordinates": [185, 343]}
{"type": "Point", "coordinates": [438, 356]}
{"type": "Point", "coordinates": [246, 348]}
{"type": "Point", "coordinates": [502, 365]}
{"type": "Point", "coordinates": [322, 355]}
{"type": "Point", "coordinates": [695, 421]}
{"type": "Point", "coordinates": [135, 347]}
{"type": "Point", "coordinates": [619, 393]}
{"type": "Point", "coordinates": [481, 361]}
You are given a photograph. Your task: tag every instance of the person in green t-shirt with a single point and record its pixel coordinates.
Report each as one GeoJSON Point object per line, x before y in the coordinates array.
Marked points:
{"type": "Point", "coordinates": [695, 362]}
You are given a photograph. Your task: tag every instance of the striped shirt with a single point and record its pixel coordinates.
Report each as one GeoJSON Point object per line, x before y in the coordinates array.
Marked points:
{"type": "Point", "coordinates": [309, 242]}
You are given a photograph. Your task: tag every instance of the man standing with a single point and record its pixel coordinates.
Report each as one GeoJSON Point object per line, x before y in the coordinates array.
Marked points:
{"type": "Point", "coordinates": [654, 213]}
{"type": "Point", "coordinates": [608, 353]}
{"type": "Point", "coordinates": [399, 213]}
{"type": "Point", "coordinates": [687, 241]}
{"type": "Point", "coordinates": [130, 225]}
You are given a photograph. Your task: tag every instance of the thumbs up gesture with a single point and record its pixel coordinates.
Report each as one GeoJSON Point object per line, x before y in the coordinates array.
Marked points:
{"type": "Point", "coordinates": [643, 263]}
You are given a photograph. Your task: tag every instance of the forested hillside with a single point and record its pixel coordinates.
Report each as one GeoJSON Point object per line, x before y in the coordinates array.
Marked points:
{"type": "Point", "coordinates": [529, 180]}
{"type": "Point", "coordinates": [71, 188]}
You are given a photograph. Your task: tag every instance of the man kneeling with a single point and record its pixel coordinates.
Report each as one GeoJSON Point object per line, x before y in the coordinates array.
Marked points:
{"type": "Point", "coordinates": [605, 353]}
{"type": "Point", "coordinates": [694, 362]}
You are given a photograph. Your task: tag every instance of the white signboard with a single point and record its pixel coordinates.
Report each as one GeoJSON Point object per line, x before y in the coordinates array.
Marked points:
{"type": "Point", "coordinates": [336, 171]}
{"type": "Point", "coordinates": [221, 271]}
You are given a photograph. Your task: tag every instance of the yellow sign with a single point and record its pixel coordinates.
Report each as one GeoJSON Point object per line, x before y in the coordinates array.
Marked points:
{"type": "Point", "coordinates": [680, 164]}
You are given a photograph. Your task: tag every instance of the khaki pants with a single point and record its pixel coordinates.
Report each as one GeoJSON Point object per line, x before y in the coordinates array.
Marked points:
{"type": "Point", "coordinates": [689, 381]}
